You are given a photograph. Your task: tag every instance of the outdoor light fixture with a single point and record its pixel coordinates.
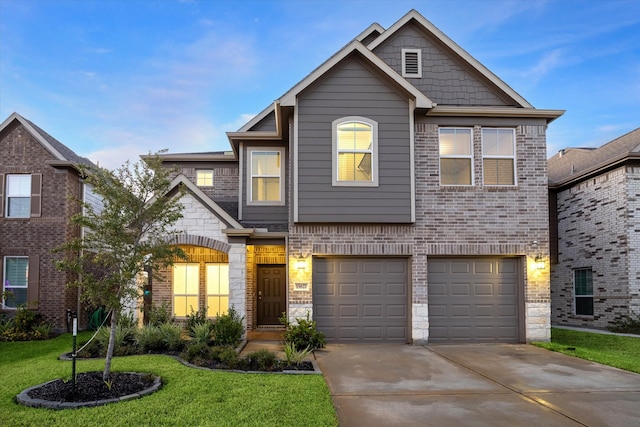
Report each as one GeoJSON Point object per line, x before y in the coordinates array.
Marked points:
{"type": "Point", "coordinates": [301, 264]}
{"type": "Point", "coordinates": [539, 262]}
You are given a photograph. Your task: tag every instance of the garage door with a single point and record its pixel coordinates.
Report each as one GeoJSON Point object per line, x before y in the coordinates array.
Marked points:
{"type": "Point", "coordinates": [361, 299]}
{"type": "Point", "coordinates": [474, 299]}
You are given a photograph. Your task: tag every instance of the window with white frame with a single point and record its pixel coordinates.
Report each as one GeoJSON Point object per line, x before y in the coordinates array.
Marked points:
{"type": "Point", "coordinates": [355, 158]}
{"type": "Point", "coordinates": [217, 289]}
{"type": "Point", "coordinates": [18, 196]}
{"type": "Point", "coordinates": [498, 156]}
{"type": "Point", "coordinates": [456, 156]}
{"type": "Point", "coordinates": [16, 281]}
{"type": "Point", "coordinates": [186, 285]}
{"type": "Point", "coordinates": [266, 172]}
{"type": "Point", "coordinates": [204, 177]}
{"type": "Point", "coordinates": [411, 63]}
{"type": "Point", "coordinates": [583, 291]}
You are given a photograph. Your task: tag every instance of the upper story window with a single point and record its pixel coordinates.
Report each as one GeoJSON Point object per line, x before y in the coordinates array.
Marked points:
{"type": "Point", "coordinates": [411, 63]}
{"type": "Point", "coordinates": [583, 287]}
{"type": "Point", "coordinates": [18, 202]}
{"type": "Point", "coordinates": [20, 195]}
{"type": "Point", "coordinates": [498, 156]}
{"type": "Point", "coordinates": [456, 156]}
{"type": "Point", "coordinates": [16, 280]}
{"type": "Point", "coordinates": [266, 176]}
{"type": "Point", "coordinates": [204, 177]}
{"type": "Point", "coordinates": [355, 158]}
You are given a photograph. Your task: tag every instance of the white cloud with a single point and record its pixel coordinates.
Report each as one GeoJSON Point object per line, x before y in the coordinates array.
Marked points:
{"type": "Point", "coordinates": [546, 64]}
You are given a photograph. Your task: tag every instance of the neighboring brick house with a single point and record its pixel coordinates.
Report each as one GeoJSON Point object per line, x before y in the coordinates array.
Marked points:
{"type": "Point", "coordinates": [594, 207]}
{"type": "Point", "coordinates": [37, 179]}
{"type": "Point", "coordinates": [398, 193]}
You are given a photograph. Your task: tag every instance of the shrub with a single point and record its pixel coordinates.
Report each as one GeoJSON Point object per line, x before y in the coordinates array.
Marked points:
{"type": "Point", "coordinates": [303, 334]}
{"type": "Point", "coordinates": [202, 332]}
{"type": "Point", "coordinates": [228, 329]}
{"type": "Point", "coordinates": [149, 339]}
{"type": "Point", "coordinates": [229, 357]}
{"type": "Point", "coordinates": [293, 355]}
{"type": "Point", "coordinates": [196, 318]}
{"type": "Point", "coordinates": [172, 336]}
{"type": "Point", "coordinates": [197, 353]}
{"type": "Point", "coordinates": [160, 315]}
{"type": "Point", "coordinates": [124, 340]}
{"type": "Point", "coordinates": [24, 325]}
{"type": "Point", "coordinates": [261, 360]}
{"type": "Point", "coordinates": [628, 325]}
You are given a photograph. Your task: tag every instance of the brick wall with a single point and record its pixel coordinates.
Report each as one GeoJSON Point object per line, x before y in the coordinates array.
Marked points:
{"type": "Point", "coordinates": [37, 236]}
{"type": "Point", "coordinates": [596, 229]}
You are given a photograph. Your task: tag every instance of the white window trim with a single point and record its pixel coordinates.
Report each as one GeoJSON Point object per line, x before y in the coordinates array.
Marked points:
{"type": "Point", "coordinates": [4, 279]}
{"type": "Point", "coordinates": [8, 195]}
{"type": "Point", "coordinates": [404, 63]}
{"type": "Point", "coordinates": [515, 171]}
{"type": "Point", "coordinates": [374, 153]}
{"type": "Point", "coordinates": [470, 157]}
{"type": "Point", "coordinates": [250, 151]}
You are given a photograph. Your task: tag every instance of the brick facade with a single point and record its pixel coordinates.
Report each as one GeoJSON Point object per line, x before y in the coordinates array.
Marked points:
{"type": "Point", "coordinates": [597, 222]}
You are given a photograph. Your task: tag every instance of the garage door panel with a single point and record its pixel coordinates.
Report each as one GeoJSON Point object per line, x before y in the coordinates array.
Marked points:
{"type": "Point", "coordinates": [372, 303]}
{"type": "Point", "coordinates": [324, 288]}
{"type": "Point", "coordinates": [487, 312]}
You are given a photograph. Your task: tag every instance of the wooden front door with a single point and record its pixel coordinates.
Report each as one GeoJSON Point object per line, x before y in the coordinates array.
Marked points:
{"type": "Point", "coordinates": [271, 293]}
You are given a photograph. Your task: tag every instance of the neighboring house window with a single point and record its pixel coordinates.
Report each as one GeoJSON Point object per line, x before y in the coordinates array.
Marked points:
{"type": "Point", "coordinates": [456, 156]}
{"type": "Point", "coordinates": [583, 286]}
{"type": "Point", "coordinates": [186, 284]}
{"type": "Point", "coordinates": [217, 289]}
{"type": "Point", "coordinates": [411, 63]}
{"type": "Point", "coordinates": [16, 280]}
{"type": "Point", "coordinates": [204, 178]}
{"type": "Point", "coordinates": [355, 161]}
{"type": "Point", "coordinates": [18, 202]}
{"type": "Point", "coordinates": [266, 171]}
{"type": "Point", "coordinates": [498, 156]}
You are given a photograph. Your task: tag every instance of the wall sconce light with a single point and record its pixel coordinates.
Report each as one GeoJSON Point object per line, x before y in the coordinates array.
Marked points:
{"type": "Point", "coordinates": [301, 264]}
{"type": "Point", "coordinates": [539, 262]}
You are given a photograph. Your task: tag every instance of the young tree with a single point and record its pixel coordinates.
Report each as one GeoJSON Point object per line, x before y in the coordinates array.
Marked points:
{"type": "Point", "coordinates": [132, 230]}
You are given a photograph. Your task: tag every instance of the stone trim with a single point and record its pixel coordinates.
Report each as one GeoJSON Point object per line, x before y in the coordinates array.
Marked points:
{"type": "Point", "coordinates": [206, 242]}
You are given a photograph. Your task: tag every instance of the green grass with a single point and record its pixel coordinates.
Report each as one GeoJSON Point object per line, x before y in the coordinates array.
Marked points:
{"type": "Point", "coordinates": [613, 350]}
{"type": "Point", "coordinates": [188, 397]}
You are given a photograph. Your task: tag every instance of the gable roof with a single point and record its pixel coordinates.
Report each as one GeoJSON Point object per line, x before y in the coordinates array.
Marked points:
{"type": "Point", "coordinates": [63, 154]}
{"type": "Point", "coordinates": [576, 164]}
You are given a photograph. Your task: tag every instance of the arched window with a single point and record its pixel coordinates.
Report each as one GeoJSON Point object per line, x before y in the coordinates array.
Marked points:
{"type": "Point", "coordinates": [355, 157]}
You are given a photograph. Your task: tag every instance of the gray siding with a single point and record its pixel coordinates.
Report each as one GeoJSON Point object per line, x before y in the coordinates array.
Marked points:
{"type": "Point", "coordinates": [268, 124]}
{"type": "Point", "coordinates": [353, 90]}
{"type": "Point", "coordinates": [444, 80]}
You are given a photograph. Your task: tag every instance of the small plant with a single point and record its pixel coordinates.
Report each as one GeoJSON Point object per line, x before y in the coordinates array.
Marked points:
{"type": "Point", "coordinates": [196, 318]}
{"type": "Point", "coordinates": [627, 324]}
{"type": "Point", "coordinates": [228, 329]}
{"type": "Point", "coordinates": [261, 360]}
{"type": "Point", "coordinates": [160, 315]}
{"type": "Point", "coordinates": [41, 331]}
{"type": "Point", "coordinates": [294, 356]}
{"type": "Point", "coordinates": [303, 334]}
{"type": "Point", "coordinates": [149, 339]}
{"type": "Point", "coordinates": [202, 332]}
{"type": "Point", "coordinates": [171, 336]}
{"type": "Point", "coordinates": [197, 353]}
{"type": "Point", "coordinates": [229, 357]}
{"type": "Point", "coordinates": [124, 339]}
{"type": "Point", "coordinates": [109, 384]}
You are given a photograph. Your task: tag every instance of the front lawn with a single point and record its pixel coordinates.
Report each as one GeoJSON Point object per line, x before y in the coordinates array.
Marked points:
{"type": "Point", "coordinates": [613, 350]}
{"type": "Point", "coordinates": [188, 396]}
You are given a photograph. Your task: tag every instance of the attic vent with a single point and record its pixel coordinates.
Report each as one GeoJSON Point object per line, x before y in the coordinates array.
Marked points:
{"type": "Point", "coordinates": [411, 63]}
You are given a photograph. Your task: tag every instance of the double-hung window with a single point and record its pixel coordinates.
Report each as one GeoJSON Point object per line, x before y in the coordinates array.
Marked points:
{"type": "Point", "coordinates": [217, 289]}
{"type": "Point", "coordinates": [18, 201]}
{"type": "Point", "coordinates": [355, 157]}
{"type": "Point", "coordinates": [583, 291]}
{"type": "Point", "coordinates": [266, 176]}
{"type": "Point", "coordinates": [204, 177]}
{"type": "Point", "coordinates": [16, 281]}
{"type": "Point", "coordinates": [456, 156]}
{"type": "Point", "coordinates": [498, 156]}
{"type": "Point", "coordinates": [186, 284]}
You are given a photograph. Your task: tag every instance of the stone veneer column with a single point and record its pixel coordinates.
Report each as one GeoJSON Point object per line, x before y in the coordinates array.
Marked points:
{"type": "Point", "coordinates": [238, 279]}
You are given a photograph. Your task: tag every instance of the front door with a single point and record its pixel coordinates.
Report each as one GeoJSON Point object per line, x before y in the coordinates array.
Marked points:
{"type": "Point", "coordinates": [271, 293]}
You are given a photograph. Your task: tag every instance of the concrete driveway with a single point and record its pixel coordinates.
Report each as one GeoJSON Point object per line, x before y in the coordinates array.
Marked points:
{"type": "Point", "coordinates": [475, 385]}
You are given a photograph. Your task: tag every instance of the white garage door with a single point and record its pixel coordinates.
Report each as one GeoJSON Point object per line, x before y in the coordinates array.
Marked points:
{"type": "Point", "coordinates": [361, 299]}
{"type": "Point", "coordinates": [474, 299]}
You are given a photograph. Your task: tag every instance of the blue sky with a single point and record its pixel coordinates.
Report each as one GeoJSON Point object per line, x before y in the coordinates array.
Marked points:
{"type": "Point", "coordinates": [113, 79]}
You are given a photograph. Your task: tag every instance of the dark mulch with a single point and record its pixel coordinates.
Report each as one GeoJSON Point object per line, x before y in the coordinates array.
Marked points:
{"type": "Point", "coordinates": [91, 387]}
{"type": "Point", "coordinates": [242, 365]}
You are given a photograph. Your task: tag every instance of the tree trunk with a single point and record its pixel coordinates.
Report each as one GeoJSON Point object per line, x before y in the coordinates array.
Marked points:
{"type": "Point", "coordinates": [110, 348]}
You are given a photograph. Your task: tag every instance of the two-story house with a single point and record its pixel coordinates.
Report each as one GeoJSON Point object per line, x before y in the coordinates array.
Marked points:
{"type": "Point", "coordinates": [38, 178]}
{"type": "Point", "coordinates": [398, 193]}
{"type": "Point", "coordinates": [595, 247]}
